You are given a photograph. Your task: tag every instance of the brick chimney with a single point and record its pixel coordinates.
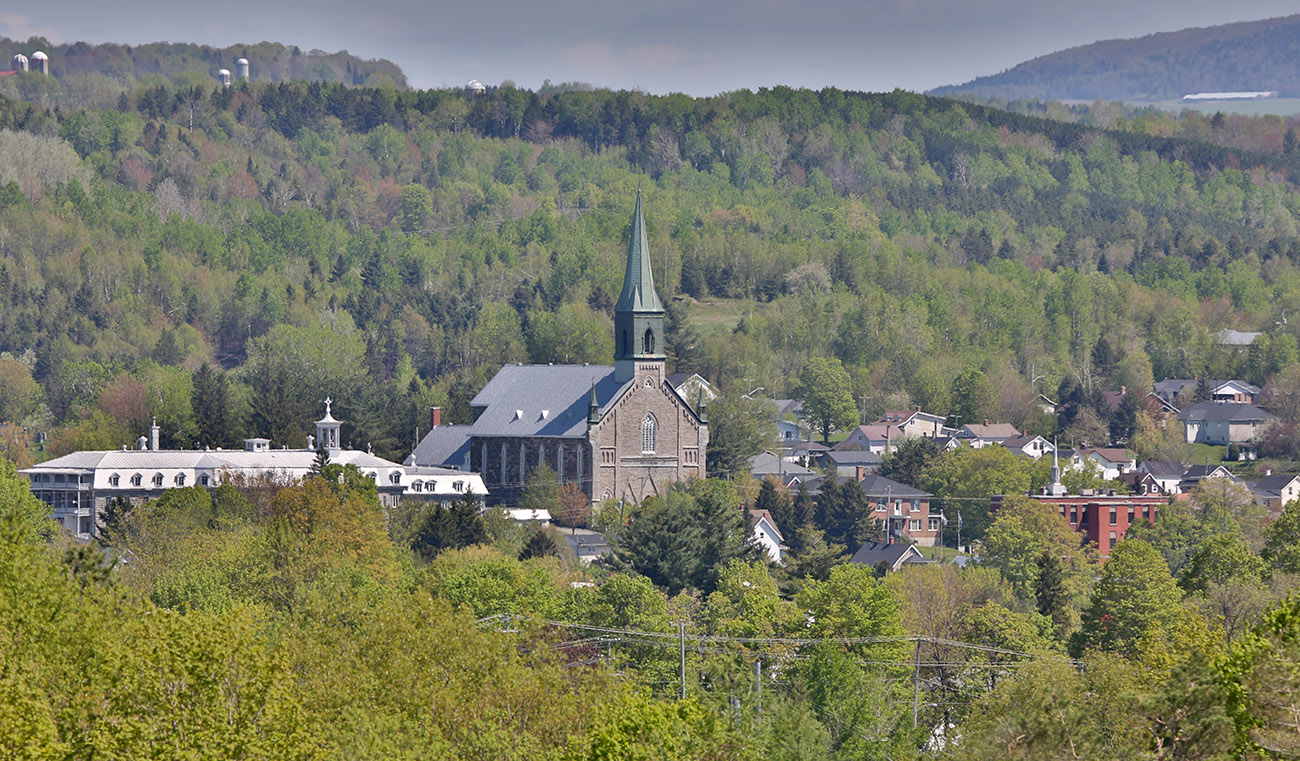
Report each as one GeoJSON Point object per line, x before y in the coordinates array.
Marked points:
{"type": "Point", "coordinates": [435, 417]}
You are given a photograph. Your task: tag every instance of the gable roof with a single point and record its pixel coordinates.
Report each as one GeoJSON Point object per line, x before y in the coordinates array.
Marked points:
{"type": "Point", "coordinates": [757, 516]}
{"type": "Point", "coordinates": [1274, 484]}
{"type": "Point", "coordinates": [543, 400]}
{"type": "Point", "coordinates": [988, 431]}
{"type": "Point", "coordinates": [1205, 471]}
{"type": "Point", "coordinates": [1020, 442]}
{"type": "Point", "coordinates": [852, 457]}
{"type": "Point", "coordinates": [1228, 412]}
{"type": "Point", "coordinates": [768, 464]}
{"type": "Point", "coordinates": [879, 486]}
{"type": "Point", "coordinates": [1109, 454]}
{"type": "Point", "coordinates": [893, 555]}
{"type": "Point", "coordinates": [1230, 337]}
{"type": "Point", "coordinates": [1163, 468]}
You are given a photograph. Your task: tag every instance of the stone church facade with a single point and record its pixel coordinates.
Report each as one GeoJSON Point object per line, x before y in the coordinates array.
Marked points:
{"type": "Point", "coordinates": [618, 432]}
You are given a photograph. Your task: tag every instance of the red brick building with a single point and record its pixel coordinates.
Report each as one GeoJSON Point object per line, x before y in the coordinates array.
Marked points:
{"type": "Point", "coordinates": [1102, 518]}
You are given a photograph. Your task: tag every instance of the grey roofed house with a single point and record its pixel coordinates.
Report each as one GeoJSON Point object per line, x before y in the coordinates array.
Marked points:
{"type": "Point", "coordinates": [1169, 389]}
{"type": "Point", "coordinates": [1231, 412]}
{"type": "Point", "coordinates": [879, 486]}
{"type": "Point", "coordinates": [1163, 468]}
{"type": "Point", "coordinates": [787, 407]}
{"type": "Point", "coordinates": [847, 462]}
{"type": "Point", "coordinates": [587, 545]}
{"type": "Point", "coordinates": [768, 464]}
{"type": "Point", "coordinates": [893, 555]}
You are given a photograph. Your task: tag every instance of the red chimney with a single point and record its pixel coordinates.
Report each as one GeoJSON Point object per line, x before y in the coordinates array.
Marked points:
{"type": "Point", "coordinates": [435, 417]}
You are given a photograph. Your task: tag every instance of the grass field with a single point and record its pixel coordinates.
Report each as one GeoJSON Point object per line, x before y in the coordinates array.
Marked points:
{"type": "Point", "coordinates": [718, 316]}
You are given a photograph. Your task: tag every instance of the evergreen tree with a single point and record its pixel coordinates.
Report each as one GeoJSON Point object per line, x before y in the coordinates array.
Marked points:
{"type": "Point", "coordinates": [777, 504]}
{"type": "Point", "coordinates": [447, 528]}
{"type": "Point", "coordinates": [540, 544]}
{"type": "Point", "coordinates": [210, 400]}
{"type": "Point", "coordinates": [1050, 592]}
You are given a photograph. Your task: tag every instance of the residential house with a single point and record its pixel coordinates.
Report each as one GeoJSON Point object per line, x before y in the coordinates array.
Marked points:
{"type": "Point", "coordinates": [1224, 423]}
{"type": "Point", "coordinates": [804, 452]}
{"type": "Point", "coordinates": [851, 462]}
{"type": "Point", "coordinates": [905, 511]}
{"type": "Point", "coordinates": [1112, 461]}
{"type": "Point", "coordinates": [1140, 483]}
{"type": "Point", "coordinates": [1166, 475]}
{"type": "Point", "coordinates": [587, 545]}
{"type": "Point", "coordinates": [977, 435]}
{"type": "Point", "coordinates": [767, 535]}
{"type": "Point", "coordinates": [1193, 476]}
{"type": "Point", "coordinates": [891, 555]}
{"type": "Point", "coordinates": [1030, 445]}
{"type": "Point", "coordinates": [876, 438]}
{"type": "Point", "coordinates": [916, 423]}
{"type": "Point", "coordinates": [1175, 392]}
{"type": "Point", "coordinates": [1274, 491]}
{"type": "Point", "coordinates": [692, 387]}
{"type": "Point", "coordinates": [766, 464]}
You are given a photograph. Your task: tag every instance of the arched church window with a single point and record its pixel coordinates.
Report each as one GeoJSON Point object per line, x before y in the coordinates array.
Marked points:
{"type": "Point", "coordinates": [648, 343]}
{"type": "Point", "coordinates": [648, 429]}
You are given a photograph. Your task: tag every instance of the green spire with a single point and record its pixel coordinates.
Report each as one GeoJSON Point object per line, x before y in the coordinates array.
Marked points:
{"type": "Point", "coordinates": [638, 282]}
{"type": "Point", "coordinates": [593, 407]}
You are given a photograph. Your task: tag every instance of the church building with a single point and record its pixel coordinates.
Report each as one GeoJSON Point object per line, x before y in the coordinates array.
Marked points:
{"type": "Point", "coordinates": [618, 432]}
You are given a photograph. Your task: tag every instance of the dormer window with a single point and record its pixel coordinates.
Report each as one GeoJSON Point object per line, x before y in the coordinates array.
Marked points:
{"type": "Point", "coordinates": [395, 478]}
{"type": "Point", "coordinates": [114, 480]}
{"type": "Point", "coordinates": [205, 480]}
{"type": "Point", "coordinates": [458, 485]}
{"type": "Point", "coordinates": [137, 479]}
{"type": "Point", "coordinates": [180, 479]}
{"type": "Point", "coordinates": [158, 479]}
{"type": "Point", "coordinates": [417, 486]}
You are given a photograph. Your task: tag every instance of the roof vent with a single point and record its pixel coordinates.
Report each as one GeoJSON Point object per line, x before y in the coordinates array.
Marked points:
{"type": "Point", "coordinates": [546, 414]}
{"type": "Point", "coordinates": [519, 414]}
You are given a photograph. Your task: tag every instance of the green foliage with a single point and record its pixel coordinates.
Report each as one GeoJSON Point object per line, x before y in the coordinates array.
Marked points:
{"type": "Point", "coordinates": [827, 395]}
{"type": "Point", "coordinates": [683, 539]}
{"type": "Point", "coordinates": [1134, 595]}
{"type": "Point", "coordinates": [1282, 546]}
{"type": "Point", "coordinates": [739, 428]}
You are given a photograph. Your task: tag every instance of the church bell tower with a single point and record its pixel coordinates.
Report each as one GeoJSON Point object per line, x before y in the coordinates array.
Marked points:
{"type": "Point", "coordinates": [638, 315]}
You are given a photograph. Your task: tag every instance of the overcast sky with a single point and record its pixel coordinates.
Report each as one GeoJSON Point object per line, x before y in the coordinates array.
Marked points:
{"type": "Point", "coordinates": [659, 46]}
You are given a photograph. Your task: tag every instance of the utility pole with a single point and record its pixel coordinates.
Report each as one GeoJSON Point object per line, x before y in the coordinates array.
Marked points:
{"type": "Point", "coordinates": [758, 683]}
{"type": "Point", "coordinates": [681, 630]}
{"type": "Point", "coordinates": [916, 683]}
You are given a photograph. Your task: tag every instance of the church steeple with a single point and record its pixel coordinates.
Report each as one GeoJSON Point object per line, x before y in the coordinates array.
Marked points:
{"type": "Point", "coordinates": [638, 315]}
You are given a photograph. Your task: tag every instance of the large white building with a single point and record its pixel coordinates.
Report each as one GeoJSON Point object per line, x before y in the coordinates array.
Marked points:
{"type": "Point", "coordinates": [80, 485]}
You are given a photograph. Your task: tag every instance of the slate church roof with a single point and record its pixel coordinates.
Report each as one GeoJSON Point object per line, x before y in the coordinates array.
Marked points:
{"type": "Point", "coordinates": [543, 400]}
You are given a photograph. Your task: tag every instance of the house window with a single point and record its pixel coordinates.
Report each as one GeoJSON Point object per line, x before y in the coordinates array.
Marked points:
{"type": "Point", "coordinates": [374, 477]}
{"type": "Point", "coordinates": [648, 427]}
{"type": "Point", "coordinates": [934, 524]}
{"type": "Point", "coordinates": [1113, 516]}
{"type": "Point", "coordinates": [157, 479]}
{"type": "Point", "coordinates": [136, 479]}
{"type": "Point", "coordinates": [205, 479]}
{"type": "Point", "coordinates": [180, 479]}
{"type": "Point", "coordinates": [114, 480]}
{"type": "Point", "coordinates": [916, 505]}
{"type": "Point", "coordinates": [395, 478]}
{"type": "Point", "coordinates": [417, 486]}
{"type": "Point", "coordinates": [458, 485]}
{"type": "Point", "coordinates": [1112, 540]}
{"type": "Point", "coordinates": [914, 525]}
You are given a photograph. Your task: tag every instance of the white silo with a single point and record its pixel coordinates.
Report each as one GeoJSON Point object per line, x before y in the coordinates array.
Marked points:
{"type": "Point", "coordinates": [41, 62]}
{"type": "Point", "coordinates": [475, 86]}
{"type": "Point", "coordinates": [241, 69]}
{"type": "Point", "coordinates": [223, 76]}
{"type": "Point", "coordinates": [20, 62]}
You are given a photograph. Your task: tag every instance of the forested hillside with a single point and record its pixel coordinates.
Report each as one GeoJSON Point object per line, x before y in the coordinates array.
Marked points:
{"type": "Point", "coordinates": [83, 70]}
{"type": "Point", "coordinates": [391, 249]}
{"type": "Point", "coordinates": [1250, 55]}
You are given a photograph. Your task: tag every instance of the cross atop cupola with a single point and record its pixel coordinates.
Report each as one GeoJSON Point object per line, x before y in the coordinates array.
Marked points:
{"type": "Point", "coordinates": [327, 430]}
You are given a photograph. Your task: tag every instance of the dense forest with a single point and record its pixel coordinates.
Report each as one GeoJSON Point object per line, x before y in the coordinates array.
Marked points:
{"type": "Point", "coordinates": [391, 249]}
{"type": "Point", "coordinates": [1249, 55]}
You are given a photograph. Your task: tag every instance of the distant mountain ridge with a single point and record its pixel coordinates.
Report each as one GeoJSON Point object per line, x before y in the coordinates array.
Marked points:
{"type": "Point", "coordinates": [184, 63]}
{"type": "Point", "coordinates": [1247, 55]}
